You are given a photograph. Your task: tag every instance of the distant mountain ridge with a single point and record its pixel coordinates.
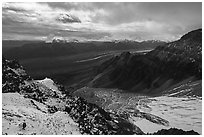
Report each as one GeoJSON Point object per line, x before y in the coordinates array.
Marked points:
{"type": "Point", "coordinates": [9, 44]}
{"type": "Point", "coordinates": [63, 48]}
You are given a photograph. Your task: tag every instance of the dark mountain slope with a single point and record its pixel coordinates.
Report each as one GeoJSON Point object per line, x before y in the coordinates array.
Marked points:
{"type": "Point", "coordinates": [155, 71]}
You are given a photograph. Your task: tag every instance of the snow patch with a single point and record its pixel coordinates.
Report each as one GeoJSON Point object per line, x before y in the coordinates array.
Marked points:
{"type": "Point", "coordinates": [49, 83]}
{"type": "Point", "coordinates": [183, 113]}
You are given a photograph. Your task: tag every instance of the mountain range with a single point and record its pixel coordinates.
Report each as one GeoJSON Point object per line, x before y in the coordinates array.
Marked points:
{"type": "Point", "coordinates": [117, 98]}
{"type": "Point", "coordinates": [62, 48]}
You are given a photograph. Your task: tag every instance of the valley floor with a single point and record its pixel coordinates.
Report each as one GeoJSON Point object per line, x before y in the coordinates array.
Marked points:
{"type": "Point", "coordinates": [150, 114]}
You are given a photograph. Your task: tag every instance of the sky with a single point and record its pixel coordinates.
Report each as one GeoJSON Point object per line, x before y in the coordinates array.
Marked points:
{"type": "Point", "coordinates": [99, 21]}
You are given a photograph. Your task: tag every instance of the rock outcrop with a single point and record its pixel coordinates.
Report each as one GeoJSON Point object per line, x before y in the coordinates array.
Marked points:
{"type": "Point", "coordinates": [174, 131]}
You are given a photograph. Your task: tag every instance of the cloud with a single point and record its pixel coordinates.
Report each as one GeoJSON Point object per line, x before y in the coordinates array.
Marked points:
{"type": "Point", "coordinates": [99, 20]}
{"type": "Point", "coordinates": [66, 18]}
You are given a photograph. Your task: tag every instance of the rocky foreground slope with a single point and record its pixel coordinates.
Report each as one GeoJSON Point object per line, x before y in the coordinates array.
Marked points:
{"type": "Point", "coordinates": [19, 111]}
{"type": "Point", "coordinates": [168, 65]}
{"type": "Point", "coordinates": [42, 107]}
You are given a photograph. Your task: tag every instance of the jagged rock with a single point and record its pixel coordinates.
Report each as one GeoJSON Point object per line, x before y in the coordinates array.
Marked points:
{"type": "Point", "coordinates": [13, 76]}
{"type": "Point", "coordinates": [175, 131]}
{"type": "Point", "coordinates": [94, 120]}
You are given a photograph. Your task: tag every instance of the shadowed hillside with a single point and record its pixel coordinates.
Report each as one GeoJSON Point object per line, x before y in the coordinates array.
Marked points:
{"type": "Point", "coordinates": [155, 71]}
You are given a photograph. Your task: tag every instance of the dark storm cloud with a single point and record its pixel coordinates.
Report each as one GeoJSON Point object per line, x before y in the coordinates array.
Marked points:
{"type": "Point", "coordinates": [163, 21]}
